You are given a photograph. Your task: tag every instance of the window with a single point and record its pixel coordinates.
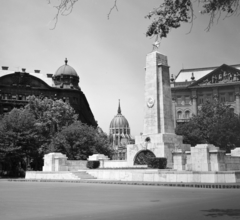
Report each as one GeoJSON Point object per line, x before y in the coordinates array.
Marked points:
{"type": "Point", "coordinates": [222, 98]}
{"type": "Point", "coordinates": [75, 99]}
{"type": "Point", "coordinates": [187, 100]}
{"type": "Point", "coordinates": [179, 115]}
{"type": "Point", "coordinates": [230, 97]}
{"type": "Point", "coordinates": [179, 100]}
{"type": "Point", "coordinates": [200, 100]}
{"type": "Point", "coordinates": [120, 156]}
{"type": "Point", "coordinates": [209, 97]}
{"type": "Point", "coordinates": [187, 115]}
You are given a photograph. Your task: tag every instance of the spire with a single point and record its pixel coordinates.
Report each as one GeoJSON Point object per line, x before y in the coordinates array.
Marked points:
{"type": "Point", "coordinates": [66, 61]}
{"type": "Point", "coordinates": [119, 107]}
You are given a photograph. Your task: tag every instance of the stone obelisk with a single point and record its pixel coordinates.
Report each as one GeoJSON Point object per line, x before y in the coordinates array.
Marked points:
{"type": "Point", "coordinates": [158, 99]}
{"type": "Point", "coordinates": [158, 132]}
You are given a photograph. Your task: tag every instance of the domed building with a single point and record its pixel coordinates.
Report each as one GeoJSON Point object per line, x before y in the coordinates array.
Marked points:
{"type": "Point", "coordinates": [119, 133]}
{"type": "Point", "coordinates": [16, 86]}
{"type": "Point", "coordinates": [66, 77]}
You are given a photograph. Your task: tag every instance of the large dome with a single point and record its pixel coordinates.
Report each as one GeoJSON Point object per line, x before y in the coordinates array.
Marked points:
{"type": "Point", "coordinates": [119, 121]}
{"type": "Point", "coordinates": [66, 70]}
{"type": "Point", "coordinates": [119, 124]}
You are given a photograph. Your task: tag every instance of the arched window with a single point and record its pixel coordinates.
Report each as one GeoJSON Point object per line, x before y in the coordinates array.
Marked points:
{"type": "Point", "coordinates": [187, 114]}
{"type": "Point", "coordinates": [179, 115]}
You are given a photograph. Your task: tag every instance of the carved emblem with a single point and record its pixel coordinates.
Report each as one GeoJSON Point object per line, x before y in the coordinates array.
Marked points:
{"type": "Point", "coordinates": [150, 102]}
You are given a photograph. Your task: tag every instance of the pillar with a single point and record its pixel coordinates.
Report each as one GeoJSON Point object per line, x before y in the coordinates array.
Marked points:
{"type": "Point", "coordinates": [237, 108]}
{"type": "Point", "coordinates": [194, 105]}
{"type": "Point", "coordinates": [174, 112]}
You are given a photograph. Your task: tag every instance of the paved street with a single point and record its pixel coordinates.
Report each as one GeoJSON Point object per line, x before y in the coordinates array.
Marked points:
{"type": "Point", "coordinates": [82, 201]}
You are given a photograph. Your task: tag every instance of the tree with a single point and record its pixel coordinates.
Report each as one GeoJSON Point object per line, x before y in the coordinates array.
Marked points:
{"type": "Point", "coordinates": [26, 133]}
{"type": "Point", "coordinates": [78, 141]}
{"type": "Point", "coordinates": [215, 124]}
{"type": "Point", "coordinates": [51, 116]}
{"type": "Point", "coordinates": [170, 14]}
{"type": "Point", "coordinates": [17, 140]}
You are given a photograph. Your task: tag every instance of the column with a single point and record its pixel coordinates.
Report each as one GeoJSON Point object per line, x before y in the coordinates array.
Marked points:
{"type": "Point", "coordinates": [237, 108]}
{"type": "Point", "coordinates": [174, 111]}
{"type": "Point", "coordinates": [194, 104]}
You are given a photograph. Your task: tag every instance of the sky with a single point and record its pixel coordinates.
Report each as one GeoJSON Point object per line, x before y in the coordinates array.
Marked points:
{"type": "Point", "coordinates": [109, 54]}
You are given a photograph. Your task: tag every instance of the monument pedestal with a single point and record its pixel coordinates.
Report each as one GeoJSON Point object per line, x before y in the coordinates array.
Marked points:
{"type": "Point", "coordinates": [162, 145]}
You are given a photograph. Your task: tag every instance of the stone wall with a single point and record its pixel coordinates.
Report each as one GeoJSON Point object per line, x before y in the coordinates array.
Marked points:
{"type": "Point", "coordinates": [54, 162]}
{"type": "Point", "coordinates": [149, 175]}
{"type": "Point", "coordinates": [74, 165]}
{"type": "Point", "coordinates": [206, 157]}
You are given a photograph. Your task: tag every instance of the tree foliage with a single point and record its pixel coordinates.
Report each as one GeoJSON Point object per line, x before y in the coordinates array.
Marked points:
{"type": "Point", "coordinates": [169, 14]}
{"type": "Point", "coordinates": [78, 141]}
{"type": "Point", "coordinates": [215, 124]}
{"type": "Point", "coordinates": [18, 139]}
{"type": "Point", "coordinates": [172, 13]}
{"type": "Point", "coordinates": [42, 126]}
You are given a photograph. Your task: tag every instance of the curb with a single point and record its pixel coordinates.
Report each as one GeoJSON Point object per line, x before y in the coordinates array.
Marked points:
{"type": "Point", "coordinates": [189, 185]}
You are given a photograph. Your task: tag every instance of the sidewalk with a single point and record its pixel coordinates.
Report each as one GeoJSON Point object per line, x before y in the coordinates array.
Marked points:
{"type": "Point", "coordinates": [192, 185]}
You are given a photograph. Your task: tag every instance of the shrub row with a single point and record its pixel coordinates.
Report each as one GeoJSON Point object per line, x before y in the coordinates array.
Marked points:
{"type": "Point", "coordinates": [157, 162]}
{"type": "Point", "coordinates": [93, 164]}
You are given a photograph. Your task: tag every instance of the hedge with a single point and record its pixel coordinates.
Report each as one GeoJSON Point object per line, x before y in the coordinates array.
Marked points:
{"type": "Point", "coordinates": [157, 162]}
{"type": "Point", "coordinates": [93, 164]}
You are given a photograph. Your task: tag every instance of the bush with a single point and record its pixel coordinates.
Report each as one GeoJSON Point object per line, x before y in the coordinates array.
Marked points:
{"type": "Point", "coordinates": [157, 162]}
{"type": "Point", "coordinates": [93, 164]}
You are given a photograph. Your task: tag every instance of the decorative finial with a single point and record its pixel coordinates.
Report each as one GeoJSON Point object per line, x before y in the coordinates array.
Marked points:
{"type": "Point", "coordinates": [156, 45]}
{"type": "Point", "coordinates": [119, 108]}
{"type": "Point", "coordinates": [192, 78]}
{"type": "Point", "coordinates": [66, 61]}
{"type": "Point", "coordinates": [172, 78]}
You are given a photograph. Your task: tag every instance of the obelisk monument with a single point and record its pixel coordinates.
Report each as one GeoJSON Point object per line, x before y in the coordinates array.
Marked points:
{"type": "Point", "coordinates": [158, 99]}
{"type": "Point", "coordinates": [158, 130]}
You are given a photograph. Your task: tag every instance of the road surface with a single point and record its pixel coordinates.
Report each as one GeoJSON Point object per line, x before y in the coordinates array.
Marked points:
{"type": "Point", "coordinates": [89, 201]}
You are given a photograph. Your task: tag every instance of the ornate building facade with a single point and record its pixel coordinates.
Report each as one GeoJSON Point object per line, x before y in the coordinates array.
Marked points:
{"type": "Point", "coordinates": [120, 136]}
{"type": "Point", "coordinates": [16, 86]}
{"type": "Point", "coordinates": [192, 87]}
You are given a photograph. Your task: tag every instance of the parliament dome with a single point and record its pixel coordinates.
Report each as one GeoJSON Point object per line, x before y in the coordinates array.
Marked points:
{"type": "Point", "coordinates": [119, 124]}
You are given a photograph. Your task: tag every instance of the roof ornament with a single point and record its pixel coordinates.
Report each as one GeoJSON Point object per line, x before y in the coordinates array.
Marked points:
{"type": "Point", "coordinates": [172, 79]}
{"type": "Point", "coordinates": [193, 77]}
{"type": "Point", "coordinates": [119, 107]}
{"type": "Point", "coordinates": [156, 45]}
{"type": "Point", "coordinates": [66, 61]}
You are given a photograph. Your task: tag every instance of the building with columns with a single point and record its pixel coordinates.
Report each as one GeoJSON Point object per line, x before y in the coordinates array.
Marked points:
{"type": "Point", "coordinates": [192, 87]}
{"type": "Point", "coordinates": [17, 85]}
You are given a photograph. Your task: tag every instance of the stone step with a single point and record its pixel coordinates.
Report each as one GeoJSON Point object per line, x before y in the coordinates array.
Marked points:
{"type": "Point", "coordinates": [83, 175]}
